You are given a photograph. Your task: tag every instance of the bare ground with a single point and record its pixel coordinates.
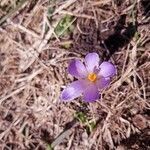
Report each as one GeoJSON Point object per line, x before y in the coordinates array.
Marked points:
{"type": "Point", "coordinates": [37, 40]}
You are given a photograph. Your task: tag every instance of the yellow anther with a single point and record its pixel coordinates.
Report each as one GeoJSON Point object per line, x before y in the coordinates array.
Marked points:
{"type": "Point", "coordinates": [92, 77]}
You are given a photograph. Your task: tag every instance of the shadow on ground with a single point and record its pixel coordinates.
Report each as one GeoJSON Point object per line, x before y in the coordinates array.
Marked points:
{"type": "Point", "coordinates": [120, 38]}
{"type": "Point", "coordinates": [146, 7]}
{"type": "Point", "coordinates": [105, 43]}
{"type": "Point", "coordinates": [138, 141]}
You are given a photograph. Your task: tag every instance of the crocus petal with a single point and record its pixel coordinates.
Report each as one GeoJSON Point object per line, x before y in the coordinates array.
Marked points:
{"type": "Point", "coordinates": [74, 90]}
{"type": "Point", "coordinates": [107, 69]}
{"type": "Point", "coordinates": [91, 93]}
{"type": "Point", "coordinates": [102, 82]}
{"type": "Point", "coordinates": [77, 69]}
{"type": "Point", "coordinates": [92, 61]}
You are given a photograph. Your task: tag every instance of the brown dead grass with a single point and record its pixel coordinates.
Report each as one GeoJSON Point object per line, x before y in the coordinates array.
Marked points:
{"type": "Point", "coordinates": [33, 72]}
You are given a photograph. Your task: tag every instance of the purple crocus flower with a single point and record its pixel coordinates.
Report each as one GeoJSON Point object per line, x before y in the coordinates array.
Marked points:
{"type": "Point", "coordinates": [92, 77]}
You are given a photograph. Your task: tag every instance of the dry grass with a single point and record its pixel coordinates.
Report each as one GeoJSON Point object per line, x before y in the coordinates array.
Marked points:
{"type": "Point", "coordinates": [34, 55]}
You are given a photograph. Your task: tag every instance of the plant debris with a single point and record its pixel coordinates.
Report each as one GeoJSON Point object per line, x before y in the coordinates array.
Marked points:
{"type": "Point", "coordinates": [37, 41]}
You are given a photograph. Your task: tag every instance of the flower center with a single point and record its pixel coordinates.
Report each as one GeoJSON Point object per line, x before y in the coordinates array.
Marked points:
{"type": "Point", "coordinates": [92, 77]}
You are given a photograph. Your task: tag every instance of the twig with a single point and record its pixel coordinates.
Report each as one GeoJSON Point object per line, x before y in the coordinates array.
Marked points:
{"type": "Point", "coordinates": [13, 11]}
{"type": "Point", "coordinates": [64, 134]}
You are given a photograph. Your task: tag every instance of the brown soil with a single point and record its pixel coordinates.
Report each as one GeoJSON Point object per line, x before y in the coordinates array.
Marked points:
{"type": "Point", "coordinates": [31, 114]}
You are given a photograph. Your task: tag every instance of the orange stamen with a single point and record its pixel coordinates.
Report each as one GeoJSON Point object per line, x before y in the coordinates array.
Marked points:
{"type": "Point", "coordinates": [92, 77]}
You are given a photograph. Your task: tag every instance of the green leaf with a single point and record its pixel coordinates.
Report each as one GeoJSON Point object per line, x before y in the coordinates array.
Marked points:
{"type": "Point", "coordinates": [50, 11]}
{"type": "Point", "coordinates": [81, 117]}
{"type": "Point", "coordinates": [90, 126]}
{"type": "Point", "coordinates": [49, 147]}
{"type": "Point", "coordinates": [64, 26]}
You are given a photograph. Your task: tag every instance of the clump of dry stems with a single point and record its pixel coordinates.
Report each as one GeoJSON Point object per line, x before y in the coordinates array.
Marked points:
{"type": "Point", "coordinates": [34, 53]}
